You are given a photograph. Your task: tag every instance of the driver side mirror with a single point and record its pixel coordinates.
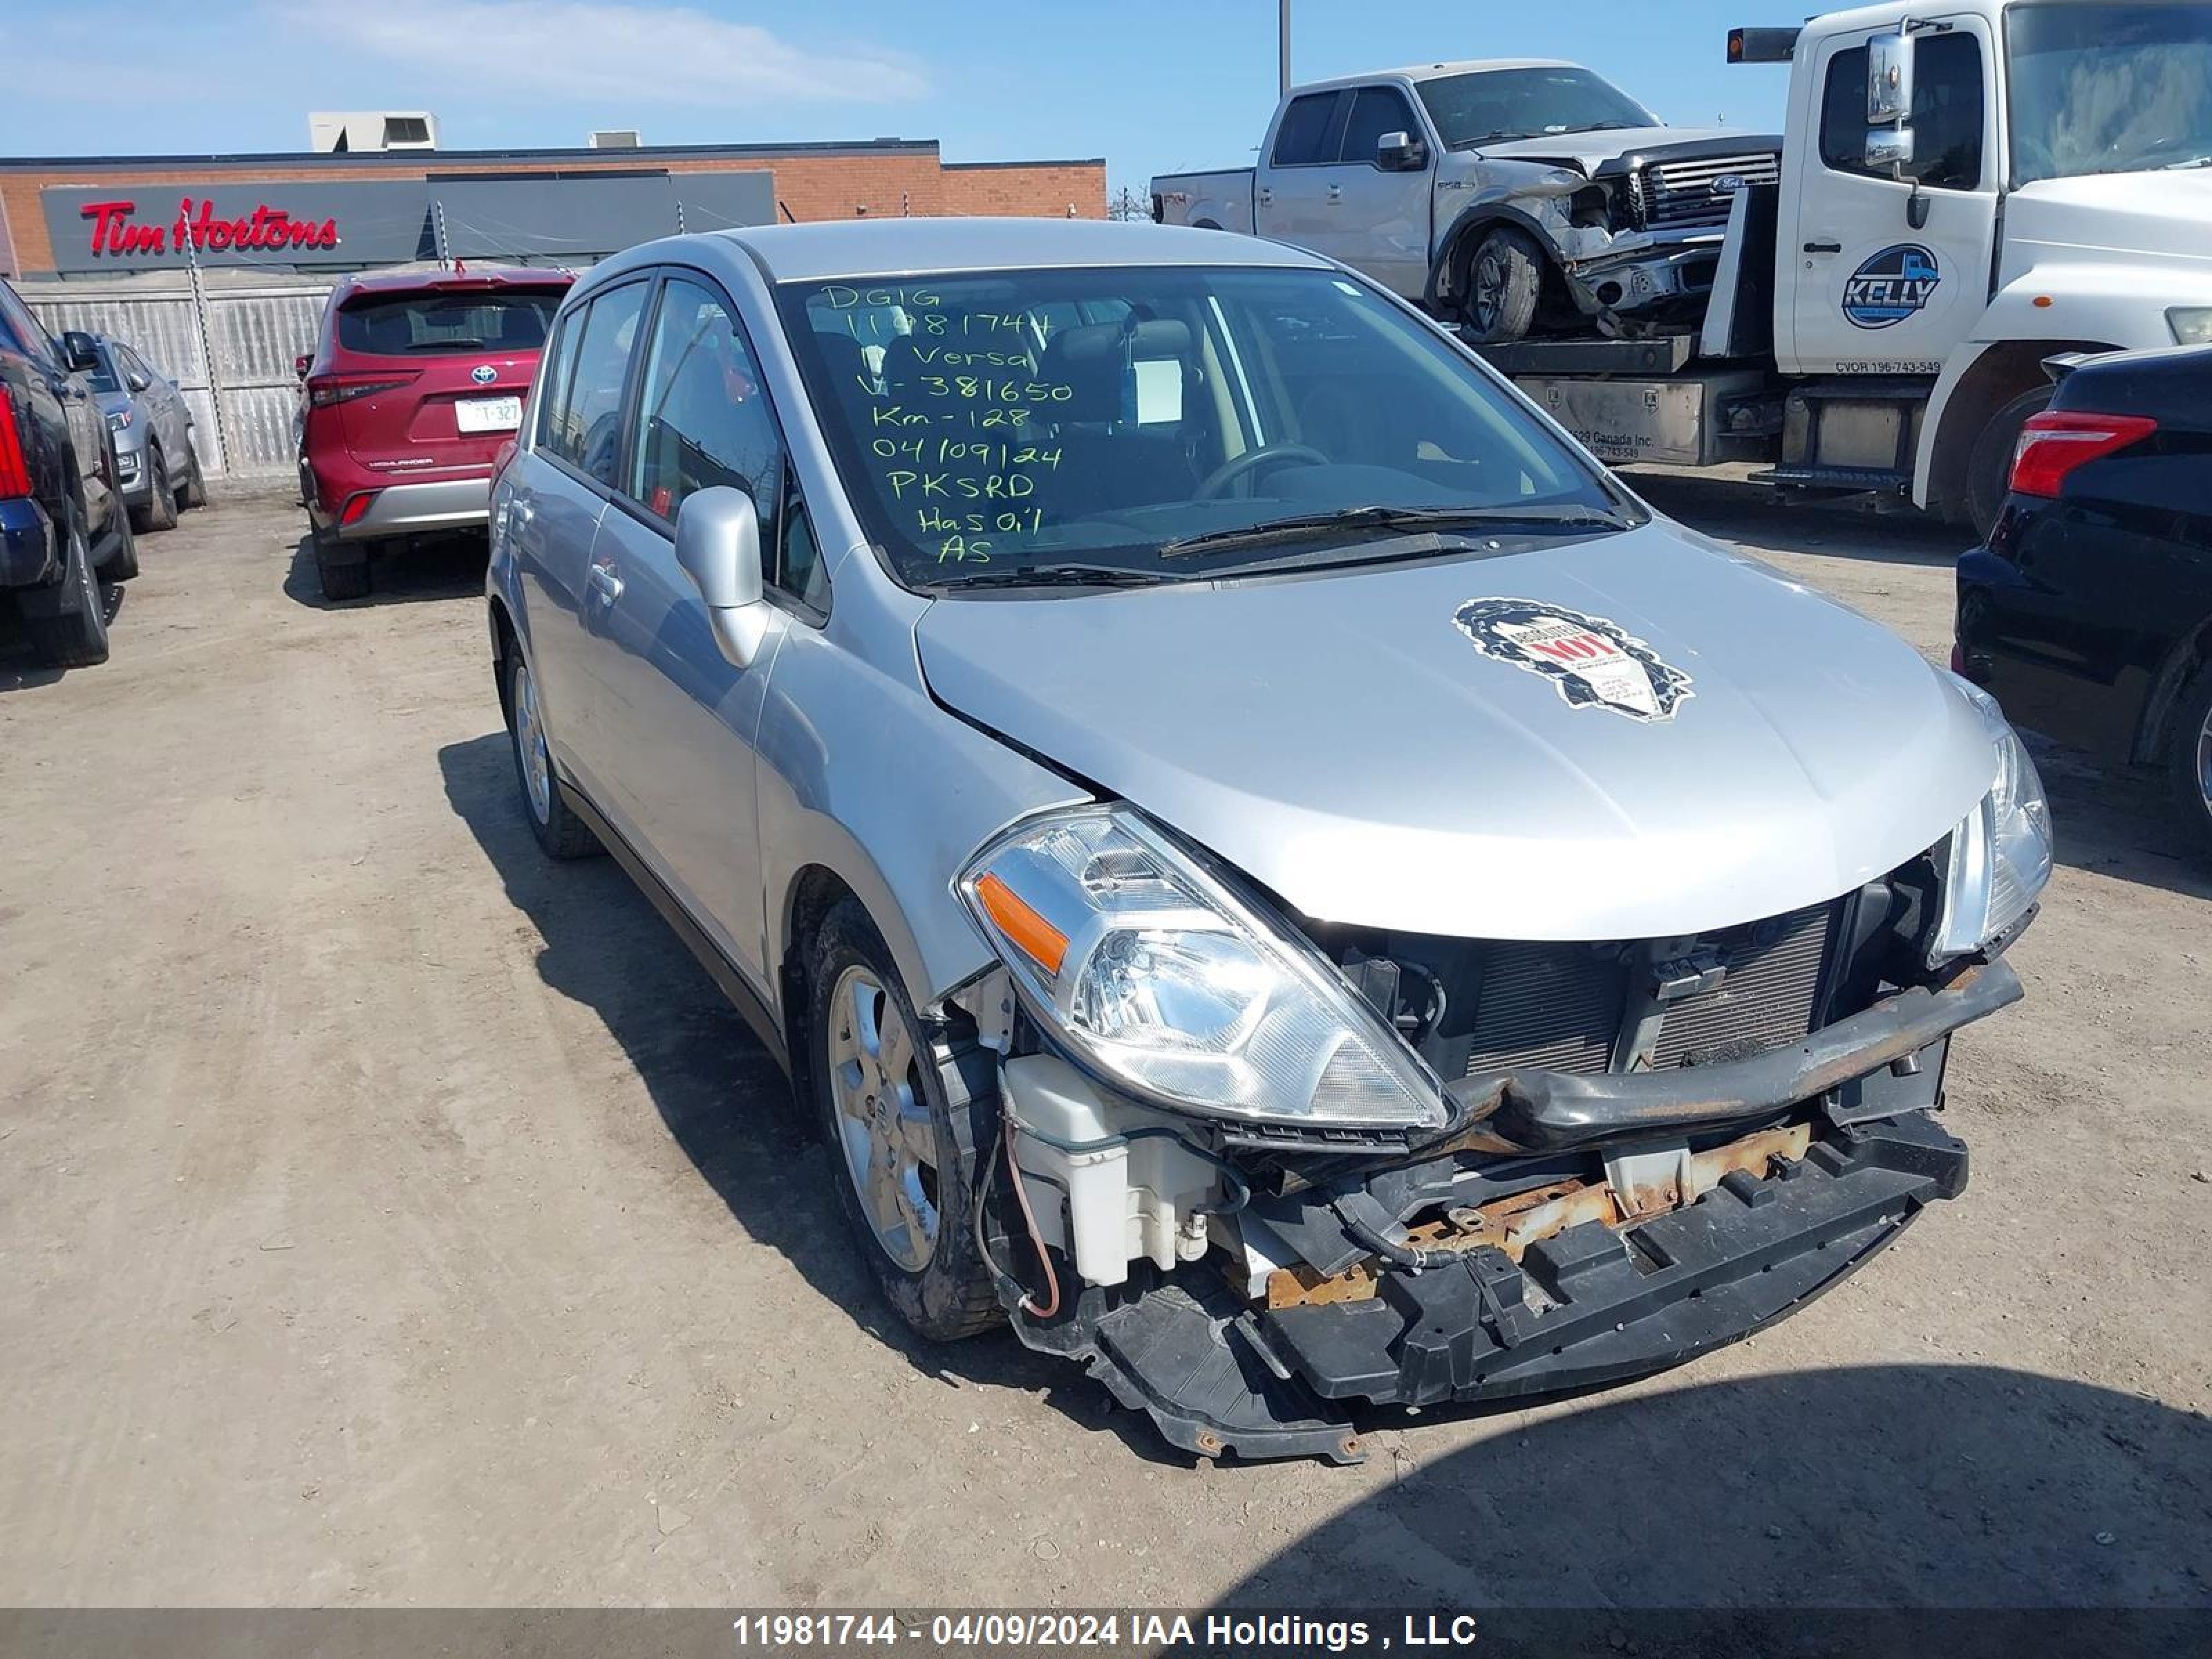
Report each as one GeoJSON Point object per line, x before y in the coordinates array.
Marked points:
{"type": "Point", "coordinates": [1400, 152]}
{"type": "Point", "coordinates": [717, 546]}
{"type": "Point", "coordinates": [1889, 79]}
{"type": "Point", "coordinates": [79, 352]}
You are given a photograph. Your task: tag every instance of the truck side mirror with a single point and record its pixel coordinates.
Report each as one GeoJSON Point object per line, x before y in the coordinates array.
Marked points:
{"type": "Point", "coordinates": [1400, 152]}
{"type": "Point", "coordinates": [1889, 149]}
{"type": "Point", "coordinates": [1889, 79]}
{"type": "Point", "coordinates": [79, 352]}
{"type": "Point", "coordinates": [718, 545]}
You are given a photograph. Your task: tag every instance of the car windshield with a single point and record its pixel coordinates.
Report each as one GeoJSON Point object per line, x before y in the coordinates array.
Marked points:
{"type": "Point", "coordinates": [431, 325]}
{"type": "Point", "coordinates": [1492, 106]}
{"type": "Point", "coordinates": [2109, 88]}
{"type": "Point", "coordinates": [1141, 419]}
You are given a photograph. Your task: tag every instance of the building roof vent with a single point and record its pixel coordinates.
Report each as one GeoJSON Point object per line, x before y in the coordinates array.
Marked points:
{"type": "Point", "coordinates": [341, 132]}
{"type": "Point", "coordinates": [616, 138]}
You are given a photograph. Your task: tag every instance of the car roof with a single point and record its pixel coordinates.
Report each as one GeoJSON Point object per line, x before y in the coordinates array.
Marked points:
{"type": "Point", "coordinates": [404, 279]}
{"type": "Point", "coordinates": [911, 247]}
{"type": "Point", "coordinates": [1433, 71]}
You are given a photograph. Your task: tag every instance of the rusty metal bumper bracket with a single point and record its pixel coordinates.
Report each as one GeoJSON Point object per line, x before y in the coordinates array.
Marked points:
{"type": "Point", "coordinates": [1550, 1111]}
{"type": "Point", "coordinates": [1592, 1306]}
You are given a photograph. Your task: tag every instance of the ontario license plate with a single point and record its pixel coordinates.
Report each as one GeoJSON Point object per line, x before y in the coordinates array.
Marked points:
{"type": "Point", "coordinates": [489, 414]}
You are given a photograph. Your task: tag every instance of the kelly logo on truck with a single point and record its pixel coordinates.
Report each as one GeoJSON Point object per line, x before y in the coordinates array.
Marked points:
{"type": "Point", "coordinates": [1891, 286]}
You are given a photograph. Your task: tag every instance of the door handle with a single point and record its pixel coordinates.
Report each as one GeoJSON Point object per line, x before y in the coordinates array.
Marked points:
{"type": "Point", "coordinates": [605, 583]}
{"type": "Point", "coordinates": [1336, 192]}
{"type": "Point", "coordinates": [1266, 194]}
{"type": "Point", "coordinates": [1824, 247]}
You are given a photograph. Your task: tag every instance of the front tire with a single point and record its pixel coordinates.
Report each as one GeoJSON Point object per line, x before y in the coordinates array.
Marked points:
{"type": "Point", "coordinates": [68, 623]}
{"type": "Point", "coordinates": [901, 1148]}
{"type": "Point", "coordinates": [2189, 760]}
{"type": "Point", "coordinates": [559, 831]}
{"type": "Point", "coordinates": [1504, 279]}
{"type": "Point", "coordinates": [159, 511]}
{"type": "Point", "coordinates": [1989, 465]}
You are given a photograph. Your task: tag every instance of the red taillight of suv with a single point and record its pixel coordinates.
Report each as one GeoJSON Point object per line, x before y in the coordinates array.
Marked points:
{"type": "Point", "coordinates": [2057, 441]}
{"type": "Point", "coordinates": [15, 471]}
{"type": "Point", "coordinates": [324, 390]}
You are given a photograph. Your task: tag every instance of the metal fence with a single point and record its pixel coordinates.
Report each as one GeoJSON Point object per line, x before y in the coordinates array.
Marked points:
{"type": "Point", "coordinates": [227, 340]}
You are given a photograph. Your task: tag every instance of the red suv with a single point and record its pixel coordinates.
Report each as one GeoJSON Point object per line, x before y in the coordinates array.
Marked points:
{"type": "Point", "coordinates": [418, 380]}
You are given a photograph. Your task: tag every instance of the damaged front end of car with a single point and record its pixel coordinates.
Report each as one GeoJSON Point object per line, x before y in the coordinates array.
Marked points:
{"type": "Point", "coordinates": [1635, 240]}
{"type": "Point", "coordinates": [1262, 1177]}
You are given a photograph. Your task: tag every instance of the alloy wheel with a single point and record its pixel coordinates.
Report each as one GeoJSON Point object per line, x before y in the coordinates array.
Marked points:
{"type": "Point", "coordinates": [530, 745]}
{"type": "Point", "coordinates": [883, 1126]}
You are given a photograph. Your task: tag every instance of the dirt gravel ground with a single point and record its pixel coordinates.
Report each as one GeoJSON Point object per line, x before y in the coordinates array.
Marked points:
{"type": "Point", "coordinates": [390, 1218]}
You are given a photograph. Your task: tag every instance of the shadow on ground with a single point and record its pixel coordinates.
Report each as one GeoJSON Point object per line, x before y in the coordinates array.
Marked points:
{"type": "Point", "coordinates": [404, 571]}
{"type": "Point", "coordinates": [1762, 519]}
{"type": "Point", "coordinates": [1887, 1487]}
{"type": "Point", "coordinates": [724, 1099]}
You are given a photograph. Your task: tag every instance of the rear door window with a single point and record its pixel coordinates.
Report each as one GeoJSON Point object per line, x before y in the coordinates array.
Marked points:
{"type": "Point", "coordinates": [433, 325]}
{"type": "Point", "coordinates": [584, 427]}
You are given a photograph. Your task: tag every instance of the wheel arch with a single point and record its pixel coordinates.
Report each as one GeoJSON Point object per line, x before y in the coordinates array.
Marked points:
{"type": "Point", "coordinates": [2189, 658]}
{"type": "Point", "coordinates": [1447, 282]}
{"type": "Point", "coordinates": [1969, 391]}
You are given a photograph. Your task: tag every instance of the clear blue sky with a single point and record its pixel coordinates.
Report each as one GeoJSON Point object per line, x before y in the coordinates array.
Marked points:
{"type": "Point", "coordinates": [1149, 85]}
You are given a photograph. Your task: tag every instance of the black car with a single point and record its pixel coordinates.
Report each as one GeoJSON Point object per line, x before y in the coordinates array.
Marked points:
{"type": "Point", "coordinates": [64, 531]}
{"type": "Point", "coordinates": [2089, 613]}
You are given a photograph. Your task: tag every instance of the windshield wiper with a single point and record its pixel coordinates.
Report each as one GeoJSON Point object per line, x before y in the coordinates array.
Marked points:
{"type": "Point", "coordinates": [1307, 526]}
{"type": "Point", "coordinates": [1060, 575]}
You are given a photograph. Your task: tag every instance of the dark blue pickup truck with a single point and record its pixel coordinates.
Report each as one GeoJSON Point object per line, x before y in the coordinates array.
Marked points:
{"type": "Point", "coordinates": [64, 532]}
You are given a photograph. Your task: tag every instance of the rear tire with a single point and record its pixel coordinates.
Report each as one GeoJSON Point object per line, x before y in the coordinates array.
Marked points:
{"type": "Point", "coordinates": [559, 831]}
{"type": "Point", "coordinates": [2189, 760]}
{"type": "Point", "coordinates": [902, 1150]}
{"type": "Point", "coordinates": [159, 511]}
{"type": "Point", "coordinates": [1989, 465]}
{"type": "Point", "coordinates": [1504, 279]}
{"type": "Point", "coordinates": [68, 623]}
{"type": "Point", "coordinates": [343, 571]}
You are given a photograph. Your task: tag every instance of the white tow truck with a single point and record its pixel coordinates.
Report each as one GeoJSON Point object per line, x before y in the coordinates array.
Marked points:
{"type": "Point", "coordinates": [1963, 192]}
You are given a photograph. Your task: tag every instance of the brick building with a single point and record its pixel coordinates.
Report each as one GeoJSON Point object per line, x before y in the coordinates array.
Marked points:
{"type": "Point", "coordinates": [95, 215]}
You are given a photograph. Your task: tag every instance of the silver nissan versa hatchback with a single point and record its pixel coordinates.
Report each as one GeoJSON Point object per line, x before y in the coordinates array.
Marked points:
{"type": "Point", "coordinates": [1285, 881]}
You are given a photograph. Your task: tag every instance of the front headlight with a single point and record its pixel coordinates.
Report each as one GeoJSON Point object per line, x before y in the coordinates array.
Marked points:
{"type": "Point", "coordinates": [1165, 981]}
{"type": "Point", "coordinates": [118, 418]}
{"type": "Point", "coordinates": [2001, 851]}
{"type": "Point", "coordinates": [2191, 325]}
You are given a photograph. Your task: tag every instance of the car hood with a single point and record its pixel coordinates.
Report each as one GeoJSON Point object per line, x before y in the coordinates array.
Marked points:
{"type": "Point", "coordinates": [2151, 219]}
{"type": "Point", "coordinates": [1588, 150]}
{"type": "Point", "coordinates": [1344, 740]}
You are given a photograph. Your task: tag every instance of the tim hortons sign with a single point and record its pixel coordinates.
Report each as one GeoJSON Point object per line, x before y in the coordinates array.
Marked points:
{"type": "Point", "coordinates": [116, 233]}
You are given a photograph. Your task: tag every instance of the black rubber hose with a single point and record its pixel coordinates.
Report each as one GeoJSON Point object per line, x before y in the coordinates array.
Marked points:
{"type": "Point", "coordinates": [1408, 1256]}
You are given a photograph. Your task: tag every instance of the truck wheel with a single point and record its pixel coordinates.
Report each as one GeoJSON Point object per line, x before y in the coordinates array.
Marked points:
{"type": "Point", "coordinates": [1989, 467]}
{"type": "Point", "coordinates": [343, 570]}
{"type": "Point", "coordinates": [2189, 759]}
{"type": "Point", "coordinates": [1504, 280]}
{"type": "Point", "coordinates": [68, 623]}
{"type": "Point", "coordinates": [159, 511]}
{"type": "Point", "coordinates": [903, 1150]}
{"type": "Point", "coordinates": [559, 831]}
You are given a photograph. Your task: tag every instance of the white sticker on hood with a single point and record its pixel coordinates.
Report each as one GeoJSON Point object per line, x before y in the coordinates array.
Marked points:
{"type": "Point", "coordinates": [1593, 662]}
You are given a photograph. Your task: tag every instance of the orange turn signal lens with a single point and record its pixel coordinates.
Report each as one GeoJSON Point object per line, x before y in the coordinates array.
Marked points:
{"type": "Point", "coordinates": [1037, 939]}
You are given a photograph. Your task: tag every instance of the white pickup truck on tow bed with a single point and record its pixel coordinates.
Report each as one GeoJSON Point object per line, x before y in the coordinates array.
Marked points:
{"type": "Point", "coordinates": [1465, 185]}
{"type": "Point", "coordinates": [1962, 192]}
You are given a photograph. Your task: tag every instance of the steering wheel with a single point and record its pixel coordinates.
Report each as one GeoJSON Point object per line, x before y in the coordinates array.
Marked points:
{"type": "Point", "coordinates": [1252, 460]}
